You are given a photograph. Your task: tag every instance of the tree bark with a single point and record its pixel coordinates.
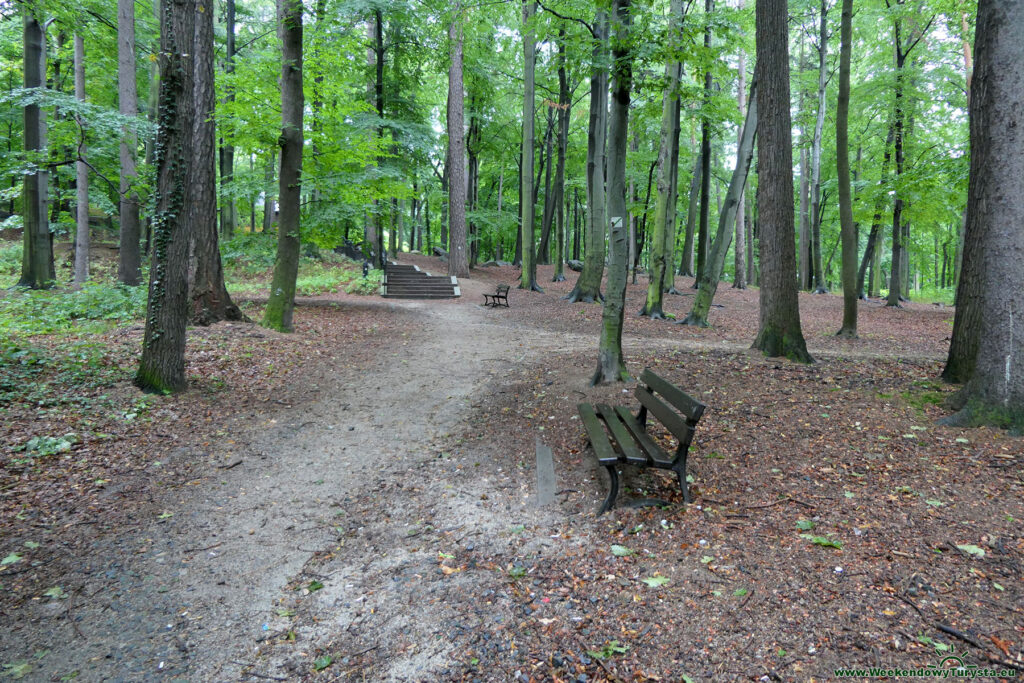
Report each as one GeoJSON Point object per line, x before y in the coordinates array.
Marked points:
{"type": "Point", "coordinates": [708, 285]}
{"type": "Point", "coordinates": [162, 366]}
{"type": "Point", "coordinates": [129, 257]}
{"type": "Point", "coordinates": [548, 214]}
{"type": "Point", "coordinates": [819, 123]}
{"type": "Point", "coordinates": [848, 231]}
{"type": "Point", "coordinates": [739, 250]}
{"type": "Point", "coordinates": [281, 304]}
{"type": "Point", "coordinates": [611, 366]}
{"type": "Point", "coordinates": [779, 333]}
{"type": "Point", "coordinates": [458, 262]}
{"type": "Point", "coordinates": [37, 269]}
{"type": "Point", "coordinates": [588, 285]}
{"type": "Point", "coordinates": [82, 176]}
{"type": "Point", "coordinates": [229, 210]}
{"type": "Point", "coordinates": [564, 106]}
{"type": "Point", "coordinates": [994, 247]}
{"type": "Point", "coordinates": [686, 265]}
{"type": "Point", "coordinates": [208, 295]}
{"type": "Point", "coordinates": [703, 235]}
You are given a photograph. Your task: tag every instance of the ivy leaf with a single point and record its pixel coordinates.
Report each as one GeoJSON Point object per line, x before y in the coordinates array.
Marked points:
{"type": "Point", "coordinates": [655, 581]}
{"type": "Point", "coordinates": [972, 550]}
{"type": "Point", "coordinates": [10, 559]}
{"type": "Point", "coordinates": [622, 551]}
{"type": "Point", "coordinates": [322, 663]}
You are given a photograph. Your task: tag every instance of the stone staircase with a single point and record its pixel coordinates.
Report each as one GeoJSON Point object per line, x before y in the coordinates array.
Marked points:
{"type": "Point", "coordinates": [409, 282]}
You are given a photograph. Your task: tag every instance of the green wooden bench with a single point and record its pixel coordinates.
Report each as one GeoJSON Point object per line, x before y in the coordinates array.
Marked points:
{"type": "Point", "coordinates": [619, 437]}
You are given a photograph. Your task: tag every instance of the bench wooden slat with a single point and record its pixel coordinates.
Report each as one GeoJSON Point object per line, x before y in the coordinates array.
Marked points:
{"type": "Point", "coordinates": [672, 420]}
{"type": "Point", "coordinates": [657, 455]}
{"type": "Point", "coordinates": [595, 432]}
{"type": "Point", "coordinates": [621, 435]}
{"type": "Point", "coordinates": [692, 408]}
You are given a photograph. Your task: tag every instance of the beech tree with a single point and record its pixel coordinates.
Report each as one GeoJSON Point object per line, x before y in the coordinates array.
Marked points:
{"type": "Point", "coordinates": [82, 177]}
{"type": "Point", "coordinates": [779, 332]}
{"type": "Point", "coordinates": [129, 256]}
{"type": "Point", "coordinates": [281, 305]}
{"type": "Point", "coordinates": [849, 234]}
{"type": "Point", "coordinates": [458, 260]}
{"type": "Point", "coordinates": [994, 393]}
{"type": "Point", "coordinates": [528, 274]}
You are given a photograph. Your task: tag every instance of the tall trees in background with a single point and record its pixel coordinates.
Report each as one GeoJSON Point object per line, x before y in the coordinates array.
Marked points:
{"type": "Point", "coordinates": [281, 303]}
{"type": "Point", "coordinates": [129, 255]}
{"type": "Point", "coordinates": [847, 229]}
{"type": "Point", "coordinates": [162, 366]}
{"type": "Point", "coordinates": [779, 331]}
{"type": "Point", "coordinates": [458, 262]}
{"type": "Point", "coordinates": [739, 280]}
{"type": "Point", "coordinates": [588, 285]}
{"type": "Point", "coordinates": [819, 125]}
{"type": "Point", "coordinates": [229, 210]}
{"type": "Point", "coordinates": [81, 176]}
{"type": "Point", "coordinates": [611, 366]}
{"type": "Point", "coordinates": [703, 234]}
{"type": "Point", "coordinates": [994, 393]}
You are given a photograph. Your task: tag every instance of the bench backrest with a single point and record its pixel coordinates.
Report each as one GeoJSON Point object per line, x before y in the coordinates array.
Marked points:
{"type": "Point", "coordinates": [502, 289]}
{"type": "Point", "coordinates": [674, 408]}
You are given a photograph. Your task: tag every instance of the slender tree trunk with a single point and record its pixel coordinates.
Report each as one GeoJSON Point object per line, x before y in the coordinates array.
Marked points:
{"type": "Point", "coordinates": [819, 124]}
{"type": "Point", "coordinates": [548, 215]}
{"type": "Point", "coordinates": [37, 269]}
{"type": "Point", "coordinates": [129, 258]}
{"type": "Point", "coordinates": [708, 285]}
{"type": "Point", "coordinates": [751, 248]}
{"type": "Point", "coordinates": [281, 304]}
{"type": "Point", "coordinates": [703, 233]}
{"type": "Point", "coordinates": [82, 177]}
{"type": "Point", "coordinates": [458, 262]}
{"type": "Point", "coordinates": [564, 105]}
{"type": "Point", "coordinates": [611, 366]}
{"type": "Point", "coordinates": [229, 210]}
{"type": "Point", "coordinates": [874, 246]}
{"type": "Point", "coordinates": [576, 225]}
{"type": "Point", "coordinates": [994, 246]}
{"type": "Point", "coordinates": [268, 196]}
{"type": "Point", "coordinates": [208, 295]}
{"type": "Point", "coordinates": [848, 230]}
{"type": "Point", "coordinates": [804, 244]}
{"type": "Point", "coordinates": [779, 333]}
{"type": "Point", "coordinates": [660, 268]}
{"type": "Point", "coordinates": [588, 285]}
{"type": "Point", "coordinates": [162, 366]}
{"type": "Point", "coordinates": [739, 250]}
{"type": "Point", "coordinates": [686, 265]}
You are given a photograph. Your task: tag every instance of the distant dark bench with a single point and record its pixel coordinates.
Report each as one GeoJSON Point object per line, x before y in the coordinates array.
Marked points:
{"type": "Point", "coordinates": [500, 295]}
{"type": "Point", "coordinates": [626, 439]}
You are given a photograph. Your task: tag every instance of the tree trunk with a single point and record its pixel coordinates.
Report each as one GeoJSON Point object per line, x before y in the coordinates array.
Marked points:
{"type": "Point", "coordinates": [588, 285]}
{"type": "Point", "coordinates": [739, 250]}
{"type": "Point", "coordinates": [458, 262]}
{"type": "Point", "coordinates": [848, 230]}
{"type": "Point", "coordinates": [281, 304]}
{"type": "Point", "coordinates": [37, 269]}
{"type": "Point", "coordinates": [751, 248]}
{"type": "Point", "coordinates": [576, 225]}
{"type": "Point", "coordinates": [708, 285]}
{"type": "Point", "coordinates": [82, 177]}
{"type": "Point", "coordinates": [779, 333]}
{"type": "Point", "coordinates": [548, 214]}
{"type": "Point", "coordinates": [611, 366]}
{"type": "Point", "coordinates": [804, 243]}
{"type": "Point", "coordinates": [129, 257]}
{"type": "Point", "coordinates": [162, 366]}
{"type": "Point", "coordinates": [660, 267]}
{"type": "Point", "coordinates": [703, 233]}
{"type": "Point", "coordinates": [686, 265]}
{"type": "Point", "coordinates": [229, 210]}
{"type": "Point", "coordinates": [819, 275]}
{"type": "Point", "coordinates": [994, 247]}
{"type": "Point", "coordinates": [268, 196]}
{"type": "Point", "coordinates": [208, 296]}
{"type": "Point", "coordinates": [564, 106]}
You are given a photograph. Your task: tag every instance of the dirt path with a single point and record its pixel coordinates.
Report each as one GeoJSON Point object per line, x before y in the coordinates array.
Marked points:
{"type": "Point", "coordinates": [189, 596]}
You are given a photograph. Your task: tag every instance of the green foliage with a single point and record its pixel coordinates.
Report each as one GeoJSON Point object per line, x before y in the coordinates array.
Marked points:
{"type": "Point", "coordinates": [96, 306]}
{"type": "Point", "coordinates": [68, 374]}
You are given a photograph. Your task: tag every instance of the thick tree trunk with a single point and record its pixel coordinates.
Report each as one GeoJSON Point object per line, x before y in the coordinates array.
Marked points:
{"type": "Point", "coordinates": [994, 247]}
{"type": "Point", "coordinates": [611, 366]}
{"type": "Point", "coordinates": [162, 366]}
{"type": "Point", "coordinates": [739, 250]}
{"type": "Point", "coordinates": [37, 269]}
{"type": "Point", "coordinates": [819, 124]}
{"type": "Point", "coordinates": [588, 285]}
{"type": "Point", "coordinates": [208, 296]}
{"type": "Point", "coordinates": [458, 261]}
{"type": "Point", "coordinates": [660, 268]}
{"type": "Point", "coordinates": [82, 177]}
{"type": "Point", "coordinates": [708, 285]}
{"type": "Point", "coordinates": [847, 228]}
{"type": "Point", "coordinates": [281, 304]}
{"type": "Point", "coordinates": [779, 333]}
{"type": "Point", "coordinates": [129, 257]}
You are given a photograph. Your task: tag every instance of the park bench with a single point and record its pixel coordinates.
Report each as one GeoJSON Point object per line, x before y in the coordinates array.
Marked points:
{"type": "Point", "coordinates": [619, 437]}
{"type": "Point", "coordinates": [500, 294]}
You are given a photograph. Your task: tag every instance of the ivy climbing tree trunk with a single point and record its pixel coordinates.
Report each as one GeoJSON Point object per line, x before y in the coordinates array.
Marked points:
{"type": "Point", "coordinates": [660, 268]}
{"type": "Point", "coordinates": [779, 333]}
{"type": "Point", "coordinates": [458, 261]}
{"type": "Point", "coordinates": [37, 269]}
{"type": "Point", "coordinates": [848, 231]}
{"type": "Point", "coordinates": [993, 263]}
{"type": "Point", "coordinates": [281, 304]}
{"type": "Point", "coordinates": [588, 285]}
{"type": "Point", "coordinates": [611, 366]}
{"type": "Point", "coordinates": [208, 296]}
{"type": "Point", "coordinates": [162, 366]}
{"type": "Point", "coordinates": [81, 176]}
{"type": "Point", "coordinates": [129, 255]}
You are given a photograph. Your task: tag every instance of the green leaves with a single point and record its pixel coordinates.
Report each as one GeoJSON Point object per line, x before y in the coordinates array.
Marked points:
{"type": "Point", "coordinates": [10, 559]}
{"type": "Point", "coordinates": [804, 524]}
{"type": "Point", "coordinates": [655, 581]}
{"type": "Point", "coordinates": [321, 663]}
{"type": "Point", "coordinates": [823, 541]}
{"type": "Point", "coordinates": [622, 551]}
{"type": "Point", "coordinates": [610, 649]}
{"type": "Point", "coordinates": [972, 550]}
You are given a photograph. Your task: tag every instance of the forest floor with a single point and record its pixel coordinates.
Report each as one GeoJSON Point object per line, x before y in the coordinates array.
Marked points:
{"type": "Point", "coordinates": [358, 501]}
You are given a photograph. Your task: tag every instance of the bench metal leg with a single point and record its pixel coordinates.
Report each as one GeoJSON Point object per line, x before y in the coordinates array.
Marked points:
{"type": "Point", "coordinates": [613, 490]}
{"type": "Point", "coordinates": [680, 470]}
